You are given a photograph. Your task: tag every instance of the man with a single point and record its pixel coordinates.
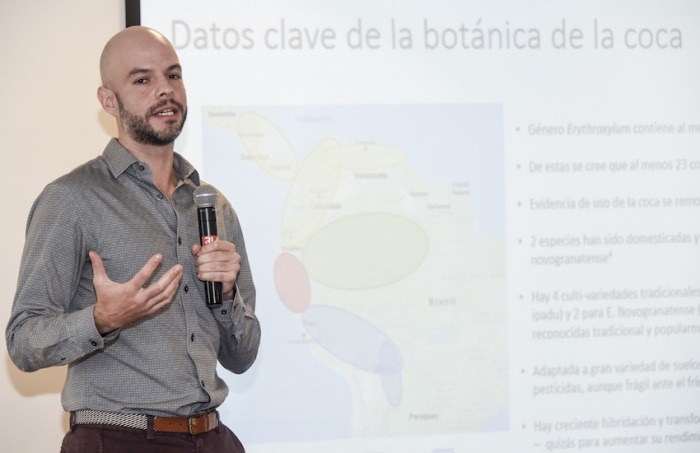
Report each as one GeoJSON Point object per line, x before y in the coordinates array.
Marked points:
{"type": "Point", "coordinates": [111, 276]}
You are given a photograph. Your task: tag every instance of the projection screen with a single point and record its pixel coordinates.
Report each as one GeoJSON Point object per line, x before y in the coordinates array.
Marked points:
{"type": "Point", "coordinates": [473, 225]}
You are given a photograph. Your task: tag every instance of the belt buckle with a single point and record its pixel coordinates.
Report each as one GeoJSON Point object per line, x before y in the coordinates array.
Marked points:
{"type": "Point", "coordinates": [190, 425]}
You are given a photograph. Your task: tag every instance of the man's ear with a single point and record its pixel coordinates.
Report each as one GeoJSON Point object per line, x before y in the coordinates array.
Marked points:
{"type": "Point", "coordinates": [108, 100]}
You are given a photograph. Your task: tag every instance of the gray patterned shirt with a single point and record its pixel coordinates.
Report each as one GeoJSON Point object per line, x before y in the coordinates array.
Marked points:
{"type": "Point", "coordinates": [161, 365]}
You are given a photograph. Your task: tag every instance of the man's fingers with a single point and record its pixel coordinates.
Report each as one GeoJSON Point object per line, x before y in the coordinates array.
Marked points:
{"type": "Point", "coordinates": [164, 287]}
{"type": "Point", "coordinates": [98, 267]}
{"type": "Point", "coordinates": [119, 305]}
{"type": "Point", "coordinates": [219, 271]}
{"type": "Point", "coordinates": [215, 246]}
{"type": "Point", "coordinates": [147, 270]}
{"type": "Point", "coordinates": [215, 252]}
{"type": "Point", "coordinates": [165, 296]}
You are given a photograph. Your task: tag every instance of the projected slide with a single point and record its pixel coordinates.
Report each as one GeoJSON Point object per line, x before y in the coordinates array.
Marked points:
{"type": "Point", "coordinates": [473, 225]}
{"type": "Point", "coordinates": [387, 278]}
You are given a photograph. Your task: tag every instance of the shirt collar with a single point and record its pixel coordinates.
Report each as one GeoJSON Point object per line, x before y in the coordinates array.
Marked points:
{"type": "Point", "coordinates": [119, 159]}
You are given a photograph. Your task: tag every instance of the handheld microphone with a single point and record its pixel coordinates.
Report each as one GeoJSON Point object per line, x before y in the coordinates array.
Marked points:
{"type": "Point", "coordinates": [205, 199]}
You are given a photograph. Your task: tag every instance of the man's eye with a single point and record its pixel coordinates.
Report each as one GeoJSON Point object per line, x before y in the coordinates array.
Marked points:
{"type": "Point", "coordinates": [175, 76]}
{"type": "Point", "coordinates": [141, 81]}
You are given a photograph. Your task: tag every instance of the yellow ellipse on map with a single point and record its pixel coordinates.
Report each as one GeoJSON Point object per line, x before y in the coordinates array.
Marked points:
{"type": "Point", "coordinates": [267, 145]}
{"type": "Point", "coordinates": [311, 195]}
{"type": "Point", "coordinates": [365, 251]}
{"type": "Point", "coordinates": [365, 156]}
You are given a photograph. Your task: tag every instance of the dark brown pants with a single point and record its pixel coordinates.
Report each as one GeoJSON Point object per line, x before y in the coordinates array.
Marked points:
{"type": "Point", "coordinates": [115, 439]}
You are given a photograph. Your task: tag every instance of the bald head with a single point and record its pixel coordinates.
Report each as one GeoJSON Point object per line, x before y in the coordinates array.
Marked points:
{"type": "Point", "coordinates": [142, 88]}
{"type": "Point", "coordinates": [122, 47]}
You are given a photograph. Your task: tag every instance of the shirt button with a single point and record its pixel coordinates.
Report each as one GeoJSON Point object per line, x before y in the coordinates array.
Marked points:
{"type": "Point", "coordinates": [160, 196]}
{"type": "Point", "coordinates": [94, 343]}
{"type": "Point", "coordinates": [192, 337]}
{"type": "Point", "coordinates": [142, 168]}
{"type": "Point", "coordinates": [187, 289]}
{"type": "Point", "coordinates": [223, 312]}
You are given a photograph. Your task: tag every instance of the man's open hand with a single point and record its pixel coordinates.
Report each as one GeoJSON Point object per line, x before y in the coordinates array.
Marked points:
{"type": "Point", "coordinates": [120, 304]}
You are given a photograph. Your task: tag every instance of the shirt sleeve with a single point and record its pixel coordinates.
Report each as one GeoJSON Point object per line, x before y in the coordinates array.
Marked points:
{"type": "Point", "coordinates": [238, 324]}
{"type": "Point", "coordinates": [240, 335]}
{"type": "Point", "coordinates": [44, 329]}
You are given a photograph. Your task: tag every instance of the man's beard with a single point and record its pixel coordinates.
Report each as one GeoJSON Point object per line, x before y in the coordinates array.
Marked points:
{"type": "Point", "coordinates": [141, 131]}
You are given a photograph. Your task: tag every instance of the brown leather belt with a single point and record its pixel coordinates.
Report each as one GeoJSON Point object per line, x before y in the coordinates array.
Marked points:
{"type": "Point", "coordinates": [191, 425]}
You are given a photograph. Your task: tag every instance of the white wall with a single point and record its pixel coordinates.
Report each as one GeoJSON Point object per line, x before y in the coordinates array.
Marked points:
{"type": "Point", "coordinates": [50, 122]}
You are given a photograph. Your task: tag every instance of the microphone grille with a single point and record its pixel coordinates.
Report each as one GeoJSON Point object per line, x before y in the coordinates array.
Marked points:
{"type": "Point", "coordinates": [205, 196]}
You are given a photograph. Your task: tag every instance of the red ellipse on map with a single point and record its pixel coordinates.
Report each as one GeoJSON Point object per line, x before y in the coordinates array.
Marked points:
{"type": "Point", "coordinates": [292, 282]}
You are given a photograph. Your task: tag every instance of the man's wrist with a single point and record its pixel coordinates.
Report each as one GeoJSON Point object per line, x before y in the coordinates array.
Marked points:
{"type": "Point", "coordinates": [100, 324]}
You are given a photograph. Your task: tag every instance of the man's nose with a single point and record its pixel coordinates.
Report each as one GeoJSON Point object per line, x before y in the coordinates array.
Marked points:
{"type": "Point", "coordinates": [164, 88]}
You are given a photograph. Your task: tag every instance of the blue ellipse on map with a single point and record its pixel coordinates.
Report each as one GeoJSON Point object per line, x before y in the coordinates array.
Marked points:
{"type": "Point", "coordinates": [357, 342]}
